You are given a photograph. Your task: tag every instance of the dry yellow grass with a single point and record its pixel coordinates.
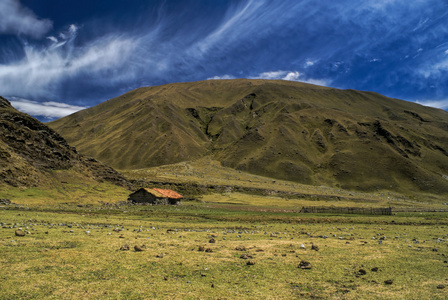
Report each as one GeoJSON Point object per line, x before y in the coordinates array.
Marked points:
{"type": "Point", "coordinates": [73, 253]}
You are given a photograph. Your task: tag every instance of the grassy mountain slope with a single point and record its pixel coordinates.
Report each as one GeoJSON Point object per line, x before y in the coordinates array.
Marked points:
{"type": "Point", "coordinates": [286, 130]}
{"type": "Point", "coordinates": [33, 155]}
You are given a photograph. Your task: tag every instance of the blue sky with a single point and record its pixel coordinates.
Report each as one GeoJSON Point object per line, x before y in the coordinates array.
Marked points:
{"type": "Point", "coordinates": [57, 56]}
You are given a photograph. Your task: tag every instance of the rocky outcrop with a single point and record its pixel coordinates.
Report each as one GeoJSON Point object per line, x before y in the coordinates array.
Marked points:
{"type": "Point", "coordinates": [29, 150]}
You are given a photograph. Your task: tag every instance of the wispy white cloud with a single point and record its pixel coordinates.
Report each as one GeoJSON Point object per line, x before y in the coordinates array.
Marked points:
{"type": "Point", "coordinates": [49, 110]}
{"type": "Point", "coordinates": [40, 71]}
{"type": "Point", "coordinates": [349, 44]}
{"type": "Point", "coordinates": [246, 21]}
{"type": "Point", "coordinates": [442, 104]}
{"type": "Point", "coordinates": [221, 77]}
{"type": "Point", "coordinates": [291, 76]}
{"type": "Point", "coordinates": [17, 19]}
{"type": "Point", "coordinates": [273, 75]}
{"type": "Point", "coordinates": [309, 63]}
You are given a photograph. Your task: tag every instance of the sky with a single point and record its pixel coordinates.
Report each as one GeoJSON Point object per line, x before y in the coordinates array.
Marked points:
{"type": "Point", "coordinates": [60, 56]}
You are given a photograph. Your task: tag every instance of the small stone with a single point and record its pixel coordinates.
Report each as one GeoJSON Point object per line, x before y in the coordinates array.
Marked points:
{"type": "Point", "coordinates": [441, 286]}
{"type": "Point", "coordinates": [245, 256]}
{"type": "Point", "coordinates": [201, 248]}
{"type": "Point", "coordinates": [362, 272]}
{"type": "Point", "coordinates": [302, 246]}
{"type": "Point", "coordinates": [375, 269]}
{"type": "Point", "coordinates": [240, 248]}
{"type": "Point", "coordinates": [19, 232]}
{"type": "Point", "coordinates": [139, 248]}
{"type": "Point", "coordinates": [125, 247]}
{"type": "Point", "coordinates": [209, 250]}
{"type": "Point", "coordinates": [304, 265]}
{"type": "Point", "coordinates": [389, 281]}
{"type": "Point", "coordinates": [212, 241]}
{"type": "Point", "coordinates": [315, 247]}
{"type": "Point", "coordinates": [250, 263]}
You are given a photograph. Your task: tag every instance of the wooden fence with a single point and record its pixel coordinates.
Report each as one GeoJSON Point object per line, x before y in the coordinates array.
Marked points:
{"type": "Point", "coordinates": [346, 210]}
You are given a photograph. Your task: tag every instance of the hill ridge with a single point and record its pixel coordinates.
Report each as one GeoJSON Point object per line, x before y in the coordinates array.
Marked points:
{"type": "Point", "coordinates": [30, 151]}
{"type": "Point", "coordinates": [280, 129]}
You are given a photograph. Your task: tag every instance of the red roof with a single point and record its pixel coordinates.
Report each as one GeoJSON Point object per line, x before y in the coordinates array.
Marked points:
{"type": "Point", "coordinates": [168, 193]}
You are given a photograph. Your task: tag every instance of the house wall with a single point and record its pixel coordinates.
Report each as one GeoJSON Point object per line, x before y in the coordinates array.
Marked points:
{"type": "Point", "coordinates": [142, 197]}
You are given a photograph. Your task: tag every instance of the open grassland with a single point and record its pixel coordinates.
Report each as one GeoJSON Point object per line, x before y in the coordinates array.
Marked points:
{"type": "Point", "coordinates": [74, 192]}
{"type": "Point", "coordinates": [201, 250]}
{"type": "Point", "coordinates": [210, 173]}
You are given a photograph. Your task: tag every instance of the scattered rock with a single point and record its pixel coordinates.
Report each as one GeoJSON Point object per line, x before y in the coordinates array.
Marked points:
{"type": "Point", "coordinates": [441, 286]}
{"type": "Point", "coordinates": [139, 248]}
{"type": "Point", "coordinates": [5, 201]}
{"type": "Point", "coordinates": [250, 263]}
{"type": "Point", "coordinates": [201, 248]}
{"type": "Point", "coordinates": [19, 232]}
{"type": "Point", "coordinates": [375, 269]}
{"type": "Point", "coordinates": [362, 272]}
{"type": "Point", "coordinates": [240, 248]}
{"type": "Point", "coordinates": [125, 247]}
{"type": "Point", "coordinates": [389, 281]}
{"type": "Point", "coordinates": [315, 247]}
{"type": "Point", "coordinates": [302, 246]}
{"type": "Point", "coordinates": [245, 256]}
{"type": "Point", "coordinates": [209, 250]}
{"type": "Point", "coordinates": [212, 241]}
{"type": "Point", "coordinates": [304, 265]}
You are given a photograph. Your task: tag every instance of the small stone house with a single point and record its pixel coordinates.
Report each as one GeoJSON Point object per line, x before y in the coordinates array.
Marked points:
{"type": "Point", "coordinates": [155, 196]}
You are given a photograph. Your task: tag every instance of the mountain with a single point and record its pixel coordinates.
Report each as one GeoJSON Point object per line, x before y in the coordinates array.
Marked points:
{"type": "Point", "coordinates": [32, 153]}
{"type": "Point", "coordinates": [280, 129]}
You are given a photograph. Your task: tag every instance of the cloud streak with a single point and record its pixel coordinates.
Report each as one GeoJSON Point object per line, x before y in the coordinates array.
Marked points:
{"type": "Point", "coordinates": [48, 110]}
{"type": "Point", "coordinates": [442, 104]}
{"type": "Point", "coordinates": [291, 76]}
{"type": "Point", "coordinates": [389, 46]}
{"type": "Point", "coordinates": [41, 71]}
{"type": "Point", "coordinates": [16, 19]}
